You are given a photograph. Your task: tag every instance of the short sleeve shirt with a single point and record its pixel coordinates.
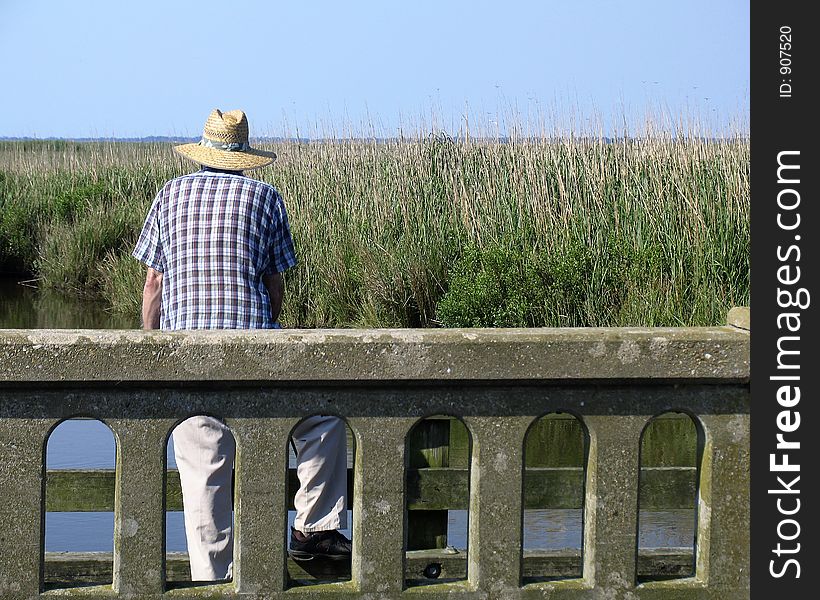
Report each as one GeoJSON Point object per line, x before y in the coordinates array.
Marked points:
{"type": "Point", "coordinates": [214, 235]}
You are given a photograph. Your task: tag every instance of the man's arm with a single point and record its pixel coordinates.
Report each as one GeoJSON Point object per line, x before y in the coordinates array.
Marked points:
{"type": "Point", "coordinates": [276, 290]}
{"type": "Point", "coordinates": [151, 298]}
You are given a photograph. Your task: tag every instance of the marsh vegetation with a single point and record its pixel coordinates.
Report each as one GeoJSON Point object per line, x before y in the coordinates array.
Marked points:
{"type": "Point", "coordinates": [424, 231]}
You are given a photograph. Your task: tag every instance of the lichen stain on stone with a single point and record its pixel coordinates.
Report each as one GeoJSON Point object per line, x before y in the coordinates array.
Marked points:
{"type": "Point", "coordinates": [658, 346]}
{"type": "Point", "coordinates": [411, 336]}
{"type": "Point", "coordinates": [499, 589]}
{"type": "Point", "coordinates": [152, 574]}
{"type": "Point", "coordinates": [738, 428]}
{"type": "Point", "coordinates": [13, 586]}
{"type": "Point", "coordinates": [629, 352]}
{"type": "Point", "coordinates": [500, 462]}
{"type": "Point", "coordinates": [404, 360]}
{"type": "Point", "coordinates": [382, 507]}
{"type": "Point", "coordinates": [598, 350]}
{"type": "Point", "coordinates": [130, 527]}
{"type": "Point", "coordinates": [614, 587]}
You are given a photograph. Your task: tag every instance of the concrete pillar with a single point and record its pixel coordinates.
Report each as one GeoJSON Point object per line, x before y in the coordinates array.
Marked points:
{"type": "Point", "coordinates": [22, 445]}
{"type": "Point", "coordinates": [494, 553]}
{"type": "Point", "coordinates": [611, 511]}
{"type": "Point", "coordinates": [378, 504]}
{"type": "Point", "coordinates": [260, 503]}
{"type": "Point", "coordinates": [139, 505]}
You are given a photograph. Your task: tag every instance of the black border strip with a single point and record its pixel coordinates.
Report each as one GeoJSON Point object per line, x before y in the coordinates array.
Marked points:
{"type": "Point", "coordinates": [784, 258]}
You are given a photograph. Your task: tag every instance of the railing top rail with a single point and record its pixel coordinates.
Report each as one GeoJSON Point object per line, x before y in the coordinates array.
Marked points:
{"type": "Point", "coordinates": [615, 354]}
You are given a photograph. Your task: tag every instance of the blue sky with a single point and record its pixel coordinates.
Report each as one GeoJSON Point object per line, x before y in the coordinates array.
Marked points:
{"type": "Point", "coordinates": [94, 68]}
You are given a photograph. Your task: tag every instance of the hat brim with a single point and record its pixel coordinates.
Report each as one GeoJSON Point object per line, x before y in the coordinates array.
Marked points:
{"type": "Point", "coordinates": [244, 160]}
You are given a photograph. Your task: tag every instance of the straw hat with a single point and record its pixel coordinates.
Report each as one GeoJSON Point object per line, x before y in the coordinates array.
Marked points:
{"type": "Point", "coordinates": [224, 144]}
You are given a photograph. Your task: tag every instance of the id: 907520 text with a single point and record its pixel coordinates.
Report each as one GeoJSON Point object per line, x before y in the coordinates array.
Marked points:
{"type": "Point", "coordinates": [785, 61]}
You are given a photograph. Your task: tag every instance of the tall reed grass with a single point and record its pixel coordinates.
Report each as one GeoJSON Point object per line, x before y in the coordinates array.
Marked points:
{"type": "Point", "coordinates": [426, 231]}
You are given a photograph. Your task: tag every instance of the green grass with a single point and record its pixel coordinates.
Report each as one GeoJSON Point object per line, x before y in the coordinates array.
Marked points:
{"type": "Point", "coordinates": [555, 231]}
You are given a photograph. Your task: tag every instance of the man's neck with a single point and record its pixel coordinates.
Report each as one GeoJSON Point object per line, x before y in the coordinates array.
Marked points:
{"type": "Point", "coordinates": [215, 170]}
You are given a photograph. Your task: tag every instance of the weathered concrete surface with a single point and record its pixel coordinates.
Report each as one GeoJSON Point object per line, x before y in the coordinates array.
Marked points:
{"type": "Point", "coordinates": [701, 353]}
{"type": "Point", "coordinates": [614, 381]}
{"type": "Point", "coordinates": [740, 317]}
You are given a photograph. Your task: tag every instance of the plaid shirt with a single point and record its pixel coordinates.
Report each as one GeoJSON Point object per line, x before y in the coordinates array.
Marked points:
{"type": "Point", "coordinates": [214, 235]}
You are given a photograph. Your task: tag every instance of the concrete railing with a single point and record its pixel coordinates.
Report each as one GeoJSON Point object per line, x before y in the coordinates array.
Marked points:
{"type": "Point", "coordinates": [498, 382]}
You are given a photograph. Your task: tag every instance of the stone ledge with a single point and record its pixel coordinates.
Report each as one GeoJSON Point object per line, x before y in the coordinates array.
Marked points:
{"type": "Point", "coordinates": [740, 317]}
{"type": "Point", "coordinates": [662, 354]}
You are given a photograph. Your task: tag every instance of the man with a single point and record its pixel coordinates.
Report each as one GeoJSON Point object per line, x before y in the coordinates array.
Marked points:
{"type": "Point", "coordinates": [216, 243]}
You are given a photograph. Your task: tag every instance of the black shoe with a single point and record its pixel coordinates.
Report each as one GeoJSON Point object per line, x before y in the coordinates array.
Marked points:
{"type": "Point", "coordinates": [330, 545]}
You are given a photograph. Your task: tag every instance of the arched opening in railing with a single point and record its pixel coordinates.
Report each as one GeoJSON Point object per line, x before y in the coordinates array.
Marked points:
{"type": "Point", "coordinates": [199, 507]}
{"type": "Point", "coordinates": [437, 471]}
{"type": "Point", "coordinates": [80, 463]}
{"type": "Point", "coordinates": [321, 450]}
{"type": "Point", "coordinates": [671, 455]}
{"type": "Point", "coordinates": [556, 449]}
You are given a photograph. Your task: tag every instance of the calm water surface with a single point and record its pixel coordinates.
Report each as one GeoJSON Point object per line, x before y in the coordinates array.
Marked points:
{"type": "Point", "coordinates": [89, 444]}
{"type": "Point", "coordinates": [25, 307]}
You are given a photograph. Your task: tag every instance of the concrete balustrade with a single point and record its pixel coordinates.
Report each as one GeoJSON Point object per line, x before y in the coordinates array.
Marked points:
{"type": "Point", "coordinates": [499, 382]}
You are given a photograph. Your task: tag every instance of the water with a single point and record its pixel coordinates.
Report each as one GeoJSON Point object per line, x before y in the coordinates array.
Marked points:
{"type": "Point", "coordinates": [89, 444]}
{"type": "Point", "coordinates": [25, 307]}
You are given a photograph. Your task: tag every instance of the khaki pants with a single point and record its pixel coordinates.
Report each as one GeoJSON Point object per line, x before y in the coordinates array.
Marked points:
{"type": "Point", "coordinates": [204, 449]}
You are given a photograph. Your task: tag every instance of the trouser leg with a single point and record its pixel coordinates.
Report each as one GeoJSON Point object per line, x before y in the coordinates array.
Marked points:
{"type": "Point", "coordinates": [321, 465]}
{"type": "Point", "coordinates": [205, 449]}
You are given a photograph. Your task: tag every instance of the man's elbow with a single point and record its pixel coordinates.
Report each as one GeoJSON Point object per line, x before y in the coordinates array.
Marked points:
{"type": "Point", "coordinates": [153, 281]}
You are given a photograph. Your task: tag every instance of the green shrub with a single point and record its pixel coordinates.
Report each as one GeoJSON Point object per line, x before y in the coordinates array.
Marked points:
{"type": "Point", "coordinates": [507, 285]}
{"type": "Point", "coordinates": [70, 202]}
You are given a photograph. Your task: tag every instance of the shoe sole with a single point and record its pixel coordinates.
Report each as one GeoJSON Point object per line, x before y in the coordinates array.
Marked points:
{"type": "Point", "coordinates": [300, 556]}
